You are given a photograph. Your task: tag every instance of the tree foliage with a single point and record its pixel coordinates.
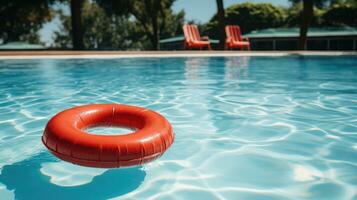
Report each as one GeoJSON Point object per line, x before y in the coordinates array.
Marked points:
{"type": "Point", "coordinates": [140, 24]}
{"type": "Point", "coordinates": [340, 15]}
{"type": "Point", "coordinates": [294, 16]}
{"type": "Point", "coordinates": [100, 30]}
{"type": "Point", "coordinates": [20, 20]}
{"type": "Point", "coordinates": [317, 3]}
{"type": "Point", "coordinates": [153, 18]}
{"type": "Point", "coordinates": [250, 17]}
{"type": "Point", "coordinates": [106, 27]}
{"type": "Point", "coordinates": [260, 16]}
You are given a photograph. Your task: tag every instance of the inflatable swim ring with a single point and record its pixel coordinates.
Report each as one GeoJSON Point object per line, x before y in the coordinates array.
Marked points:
{"type": "Point", "coordinates": [66, 138]}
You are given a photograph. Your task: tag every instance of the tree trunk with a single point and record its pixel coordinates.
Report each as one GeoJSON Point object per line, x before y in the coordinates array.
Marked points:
{"type": "Point", "coordinates": [221, 24]}
{"type": "Point", "coordinates": [155, 24]}
{"type": "Point", "coordinates": [152, 8]}
{"type": "Point", "coordinates": [77, 32]}
{"type": "Point", "coordinates": [307, 14]}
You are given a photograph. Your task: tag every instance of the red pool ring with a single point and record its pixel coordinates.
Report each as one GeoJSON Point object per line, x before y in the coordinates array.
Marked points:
{"type": "Point", "coordinates": [66, 138]}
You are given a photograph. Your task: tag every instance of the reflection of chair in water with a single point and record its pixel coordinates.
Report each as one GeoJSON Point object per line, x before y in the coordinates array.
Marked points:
{"type": "Point", "coordinates": [195, 66]}
{"type": "Point", "coordinates": [235, 67]}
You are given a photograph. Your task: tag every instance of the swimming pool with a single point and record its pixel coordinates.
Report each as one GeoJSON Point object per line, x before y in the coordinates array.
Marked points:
{"type": "Point", "coordinates": [246, 127]}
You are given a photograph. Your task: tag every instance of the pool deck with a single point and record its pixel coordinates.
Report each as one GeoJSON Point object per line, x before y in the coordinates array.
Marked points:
{"type": "Point", "coordinates": [134, 54]}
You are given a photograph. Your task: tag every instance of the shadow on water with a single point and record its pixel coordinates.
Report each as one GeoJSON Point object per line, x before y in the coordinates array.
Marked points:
{"type": "Point", "coordinates": [28, 182]}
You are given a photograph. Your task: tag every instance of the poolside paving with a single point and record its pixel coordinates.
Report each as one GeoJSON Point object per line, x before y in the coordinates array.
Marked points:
{"type": "Point", "coordinates": [116, 54]}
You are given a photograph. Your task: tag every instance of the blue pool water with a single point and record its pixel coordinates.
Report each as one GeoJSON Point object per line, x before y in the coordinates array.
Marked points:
{"type": "Point", "coordinates": [246, 127]}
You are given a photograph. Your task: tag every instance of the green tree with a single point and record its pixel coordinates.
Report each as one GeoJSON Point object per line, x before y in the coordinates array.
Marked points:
{"type": "Point", "coordinates": [350, 2]}
{"type": "Point", "coordinates": [317, 3]}
{"type": "Point", "coordinates": [307, 16]}
{"type": "Point", "coordinates": [153, 17]}
{"type": "Point", "coordinates": [249, 17]}
{"type": "Point", "coordinates": [343, 14]}
{"type": "Point", "coordinates": [321, 13]}
{"type": "Point", "coordinates": [100, 31]}
{"type": "Point", "coordinates": [21, 19]}
{"type": "Point", "coordinates": [294, 17]}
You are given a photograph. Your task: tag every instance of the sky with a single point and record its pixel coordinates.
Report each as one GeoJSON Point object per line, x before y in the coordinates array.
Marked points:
{"type": "Point", "coordinates": [197, 10]}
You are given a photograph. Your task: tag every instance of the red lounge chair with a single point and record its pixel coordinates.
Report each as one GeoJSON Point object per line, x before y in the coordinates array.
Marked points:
{"type": "Point", "coordinates": [235, 40]}
{"type": "Point", "coordinates": [193, 40]}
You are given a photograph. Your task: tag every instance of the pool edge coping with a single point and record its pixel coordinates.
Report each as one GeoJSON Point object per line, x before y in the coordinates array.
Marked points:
{"type": "Point", "coordinates": [159, 54]}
